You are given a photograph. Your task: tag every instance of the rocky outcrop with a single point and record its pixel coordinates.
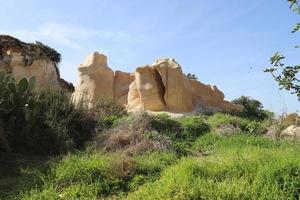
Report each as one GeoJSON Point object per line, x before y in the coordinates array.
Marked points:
{"type": "Point", "coordinates": [27, 59]}
{"type": "Point", "coordinates": [150, 89]}
{"type": "Point", "coordinates": [292, 132]}
{"type": "Point", "coordinates": [178, 95]}
{"type": "Point", "coordinates": [157, 87]}
{"type": "Point", "coordinates": [96, 80]}
{"type": "Point", "coordinates": [122, 81]}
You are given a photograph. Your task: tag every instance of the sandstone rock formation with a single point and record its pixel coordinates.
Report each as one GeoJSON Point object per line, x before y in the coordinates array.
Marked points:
{"type": "Point", "coordinates": [148, 89]}
{"type": "Point", "coordinates": [157, 87]}
{"type": "Point", "coordinates": [292, 132]}
{"type": "Point", "coordinates": [27, 59]}
{"type": "Point", "coordinates": [178, 93]}
{"type": "Point", "coordinates": [96, 80]}
{"type": "Point", "coordinates": [122, 82]}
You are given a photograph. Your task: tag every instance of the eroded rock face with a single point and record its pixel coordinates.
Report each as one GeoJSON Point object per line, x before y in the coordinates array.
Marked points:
{"type": "Point", "coordinates": [134, 98]}
{"type": "Point", "coordinates": [96, 80]}
{"type": "Point", "coordinates": [122, 81]}
{"type": "Point", "coordinates": [292, 132]}
{"type": "Point", "coordinates": [27, 60]}
{"type": "Point", "coordinates": [150, 88]}
{"type": "Point", "coordinates": [210, 97]}
{"type": "Point", "coordinates": [178, 95]}
{"type": "Point", "coordinates": [157, 87]}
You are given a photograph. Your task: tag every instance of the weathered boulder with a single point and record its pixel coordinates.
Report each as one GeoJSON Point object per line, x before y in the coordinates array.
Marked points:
{"type": "Point", "coordinates": [292, 132]}
{"type": "Point", "coordinates": [27, 59]}
{"type": "Point", "coordinates": [96, 80]}
{"type": "Point", "coordinates": [273, 132]}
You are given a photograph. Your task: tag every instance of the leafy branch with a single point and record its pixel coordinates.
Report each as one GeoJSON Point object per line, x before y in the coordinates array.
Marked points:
{"type": "Point", "coordinates": [287, 77]}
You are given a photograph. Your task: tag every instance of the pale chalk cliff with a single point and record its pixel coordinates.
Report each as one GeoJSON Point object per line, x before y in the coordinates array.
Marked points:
{"type": "Point", "coordinates": [157, 87]}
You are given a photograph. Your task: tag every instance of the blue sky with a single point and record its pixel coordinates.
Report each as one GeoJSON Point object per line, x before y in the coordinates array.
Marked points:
{"type": "Point", "coordinates": [226, 43]}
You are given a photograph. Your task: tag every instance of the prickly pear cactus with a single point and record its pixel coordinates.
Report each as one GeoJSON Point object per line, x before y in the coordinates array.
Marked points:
{"type": "Point", "coordinates": [14, 93]}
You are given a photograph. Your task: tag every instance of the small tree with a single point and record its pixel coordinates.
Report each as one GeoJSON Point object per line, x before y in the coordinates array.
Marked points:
{"type": "Point", "coordinates": [287, 77]}
{"type": "Point", "coordinates": [190, 76]}
{"type": "Point", "coordinates": [252, 108]}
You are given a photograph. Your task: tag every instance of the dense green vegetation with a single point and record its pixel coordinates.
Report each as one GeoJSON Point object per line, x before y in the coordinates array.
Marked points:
{"type": "Point", "coordinates": [40, 123]}
{"type": "Point", "coordinates": [236, 167]}
{"type": "Point", "coordinates": [239, 167]}
{"type": "Point", "coordinates": [201, 164]}
{"type": "Point", "coordinates": [251, 108]}
{"type": "Point", "coordinates": [51, 149]}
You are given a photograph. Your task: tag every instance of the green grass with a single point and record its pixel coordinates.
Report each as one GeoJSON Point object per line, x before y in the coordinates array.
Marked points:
{"type": "Point", "coordinates": [237, 167]}
{"type": "Point", "coordinates": [241, 166]}
{"type": "Point", "coordinates": [85, 176]}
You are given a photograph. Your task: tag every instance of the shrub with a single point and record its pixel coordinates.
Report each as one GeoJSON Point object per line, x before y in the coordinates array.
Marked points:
{"type": "Point", "coordinates": [252, 108]}
{"type": "Point", "coordinates": [15, 98]}
{"type": "Point", "coordinates": [227, 130]}
{"type": "Point", "coordinates": [193, 126]}
{"type": "Point", "coordinates": [254, 127]}
{"type": "Point", "coordinates": [106, 122]}
{"type": "Point", "coordinates": [164, 124]}
{"type": "Point", "coordinates": [107, 113]}
{"type": "Point", "coordinates": [181, 132]}
{"type": "Point", "coordinates": [152, 132]}
{"type": "Point", "coordinates": [220, 119]}
{"type": "Point", "coordinates": [107, 106]}
{"type": "Point", "coordinates": [76, 125]}
{"type": "Point", "coordinates": [133, 137]}
{"type": "Point", "coordinates": [44, 123]}
{"type": "Point", "coordinates": [190, 76]}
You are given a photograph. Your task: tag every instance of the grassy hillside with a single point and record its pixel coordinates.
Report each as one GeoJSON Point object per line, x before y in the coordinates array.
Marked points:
{"type": "Point", "coordinates": [202, 164]}
{"type": "Point", "coordinates": [50, 149]}
{"type": "Point", "coordinates": [239, 167]}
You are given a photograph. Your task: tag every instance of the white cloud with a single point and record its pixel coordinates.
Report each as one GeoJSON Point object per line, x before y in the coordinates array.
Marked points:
{"type": "Point", "coordinates": [69, 36]}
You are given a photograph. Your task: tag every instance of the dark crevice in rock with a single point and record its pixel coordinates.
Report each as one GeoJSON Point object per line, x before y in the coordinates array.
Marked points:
{"type": "Point", "coordinates": [161, 84]}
